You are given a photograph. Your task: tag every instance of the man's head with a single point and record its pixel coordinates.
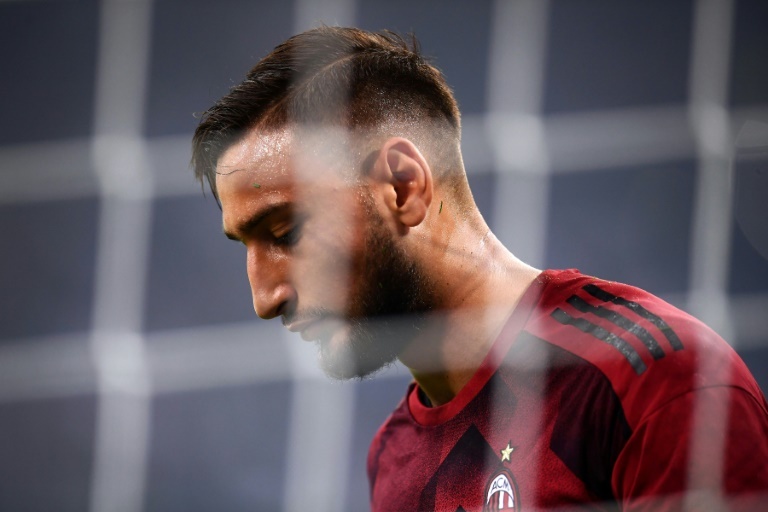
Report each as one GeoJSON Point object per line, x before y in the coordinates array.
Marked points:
{"type": "Point", "coordinates": [325, 160]}
{"type": "Point", "coordinates": [369, 83]}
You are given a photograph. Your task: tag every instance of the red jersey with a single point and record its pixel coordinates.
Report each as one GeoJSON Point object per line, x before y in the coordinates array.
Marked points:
{"type": "Point", "coordinates": [596, 395]}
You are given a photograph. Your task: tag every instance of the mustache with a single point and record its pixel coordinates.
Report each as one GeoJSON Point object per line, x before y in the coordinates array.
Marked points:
{"type": "Point", "coordinates": [310, 314]}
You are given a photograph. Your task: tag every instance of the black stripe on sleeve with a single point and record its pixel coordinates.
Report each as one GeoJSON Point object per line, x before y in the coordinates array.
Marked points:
{"type": "Point", "coordinates": [629, 353]}
{"type": "Point", "coordinates": [603, 295]}
{"type": "Point", "coordinates": [620, 320]}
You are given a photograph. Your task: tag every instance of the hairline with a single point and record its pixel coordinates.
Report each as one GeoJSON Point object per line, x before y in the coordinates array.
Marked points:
{"type": "Point", "coordinates": [360, 141]}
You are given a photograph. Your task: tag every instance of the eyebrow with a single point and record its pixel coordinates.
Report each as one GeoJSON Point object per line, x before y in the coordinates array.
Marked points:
{"type": "Point", "coordinates": [253, 222]}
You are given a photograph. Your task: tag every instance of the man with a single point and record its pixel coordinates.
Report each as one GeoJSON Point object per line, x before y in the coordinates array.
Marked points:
{"type": "Point", "coordinates": [337, 165]}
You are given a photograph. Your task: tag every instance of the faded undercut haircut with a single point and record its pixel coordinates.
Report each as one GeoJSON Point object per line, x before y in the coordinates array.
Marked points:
{"type": "Point", "coordinates": [340, 77]}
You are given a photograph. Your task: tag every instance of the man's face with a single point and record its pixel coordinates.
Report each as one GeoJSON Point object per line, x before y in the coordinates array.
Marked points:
{"type": "Point", "coordinates": [319, 252]}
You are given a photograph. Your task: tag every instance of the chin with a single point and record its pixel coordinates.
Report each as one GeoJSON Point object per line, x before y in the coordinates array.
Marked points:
{"type": "Point", "coordinates": [362, 348]}
{"type": "Point", "coordinates": [343, 369]}
{"type": "Point", "coordinates": [345, 363]}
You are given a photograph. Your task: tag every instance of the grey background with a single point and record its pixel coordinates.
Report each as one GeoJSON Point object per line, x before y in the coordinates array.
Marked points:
{"type": "Point", "coordinates": [133, 372]}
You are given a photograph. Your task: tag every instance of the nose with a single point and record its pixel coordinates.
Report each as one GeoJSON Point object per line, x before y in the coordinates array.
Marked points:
{"type": "Point", "coordinates": [268, 275]}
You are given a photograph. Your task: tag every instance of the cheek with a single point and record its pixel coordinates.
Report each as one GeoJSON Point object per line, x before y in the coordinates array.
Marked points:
{"type": "Point", "coordinates": [327, 263]}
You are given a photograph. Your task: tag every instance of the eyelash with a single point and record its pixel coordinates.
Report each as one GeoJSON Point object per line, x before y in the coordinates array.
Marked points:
{"type": "Point", "coordinates": [290, 238]}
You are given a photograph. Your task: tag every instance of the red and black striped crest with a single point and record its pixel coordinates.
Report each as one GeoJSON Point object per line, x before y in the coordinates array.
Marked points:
{"type": "Point", "coordinates": [501, 493]}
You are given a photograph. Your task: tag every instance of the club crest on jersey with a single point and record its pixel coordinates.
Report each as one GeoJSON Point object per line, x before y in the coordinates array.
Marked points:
{"type": "Point", "coordinates": [501, 493]}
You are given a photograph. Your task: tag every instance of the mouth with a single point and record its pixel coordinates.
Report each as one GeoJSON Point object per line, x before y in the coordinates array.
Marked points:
{"type": "Point", "coordinates": [316, 329]}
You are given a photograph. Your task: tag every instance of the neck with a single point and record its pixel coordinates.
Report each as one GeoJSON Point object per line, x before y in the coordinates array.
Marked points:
{"type": "Point", "coordinates": [482, 283]}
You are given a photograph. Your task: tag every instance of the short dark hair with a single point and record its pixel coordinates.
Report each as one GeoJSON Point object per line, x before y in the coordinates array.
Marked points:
{"type": "Point", "coordinates": [345, 77]}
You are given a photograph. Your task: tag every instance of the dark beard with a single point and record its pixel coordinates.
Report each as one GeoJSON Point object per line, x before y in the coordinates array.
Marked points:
{"type": "Point", "coordinates": [385, 314]}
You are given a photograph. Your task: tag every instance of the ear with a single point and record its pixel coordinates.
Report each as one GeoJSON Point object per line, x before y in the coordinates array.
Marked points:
{"type": "Point", "coordinates": [405, 178]}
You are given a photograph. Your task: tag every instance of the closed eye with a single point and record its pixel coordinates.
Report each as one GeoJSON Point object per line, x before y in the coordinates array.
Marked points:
{"type": "Point", "coordinates": [291, 237]}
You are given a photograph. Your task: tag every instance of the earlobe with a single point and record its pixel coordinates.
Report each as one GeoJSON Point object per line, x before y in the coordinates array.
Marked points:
{"type": "Point", "coordinates": [410, 180]}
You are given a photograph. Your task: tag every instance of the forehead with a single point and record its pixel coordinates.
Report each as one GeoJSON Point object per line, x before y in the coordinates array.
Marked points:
{"type": "Point", "coordinates": [286, 165]}
{"type": "Point", "coordinates": [289, 153]}
{"type": "Point", "coordinates": [252, 175]}
{"type": "Point", "coordinates": [259, 154]}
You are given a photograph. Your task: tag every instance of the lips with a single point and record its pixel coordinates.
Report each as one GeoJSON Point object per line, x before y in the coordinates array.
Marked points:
{"type": "Point", "coordinates": [300, 325]}
{"type": "Point", "coordinates": [316, 328]}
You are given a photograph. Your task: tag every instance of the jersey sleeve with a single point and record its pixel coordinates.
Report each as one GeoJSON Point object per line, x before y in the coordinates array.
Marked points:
{"type": "Point", "coordinates": [704, 450]}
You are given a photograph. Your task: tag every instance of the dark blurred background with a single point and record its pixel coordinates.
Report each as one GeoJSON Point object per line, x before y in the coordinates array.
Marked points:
{"type": "Point", "coordinates": [133, 373]}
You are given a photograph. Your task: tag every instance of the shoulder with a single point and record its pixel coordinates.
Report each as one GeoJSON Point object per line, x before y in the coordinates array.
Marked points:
{"type": "Point", "coordinates": [648, 350]}
{"type": "Point", "coordinates": [393, 424]}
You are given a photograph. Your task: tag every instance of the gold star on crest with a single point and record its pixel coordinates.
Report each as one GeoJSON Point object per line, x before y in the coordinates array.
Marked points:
{"type": "Point", "coordinates": [506, 452]}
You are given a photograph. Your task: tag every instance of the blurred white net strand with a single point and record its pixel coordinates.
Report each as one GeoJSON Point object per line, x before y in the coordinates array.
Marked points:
{"type": "Point", "coordinates": [118, 345]}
